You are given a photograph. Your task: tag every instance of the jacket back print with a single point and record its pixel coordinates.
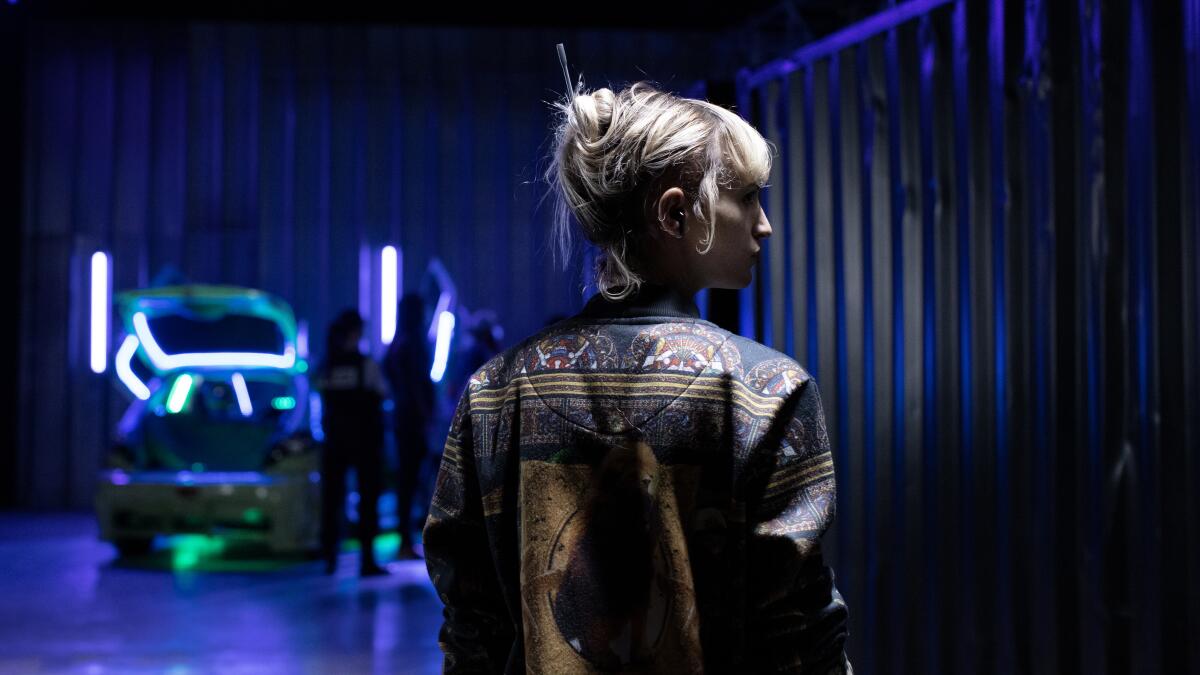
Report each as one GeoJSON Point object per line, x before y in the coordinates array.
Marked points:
{"type": "Point", "coordinates": [636, 490]}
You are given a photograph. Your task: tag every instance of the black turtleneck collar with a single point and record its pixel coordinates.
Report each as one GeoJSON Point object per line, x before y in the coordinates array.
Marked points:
{"type": "Point", "coordinates": [650, 300]}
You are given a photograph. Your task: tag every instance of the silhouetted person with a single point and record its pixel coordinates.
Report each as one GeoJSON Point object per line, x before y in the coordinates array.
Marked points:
{"type": "Point", "coordinates": [352, 392]}
{"type": "Point", "coordinates": [407, 366]}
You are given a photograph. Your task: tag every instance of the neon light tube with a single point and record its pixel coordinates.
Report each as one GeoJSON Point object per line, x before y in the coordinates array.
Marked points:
{"type": "Point", "coordinates": [441, 352]}
{"type": "Point", "coordinates": [283, 403]}
{"type": "Point", "coordinates": [180, 390]}
{"type": "Point", "coordinates": [124, 368]}
{"type": "Point", "coordinates": [387, 295]}
{"type": "Point", "coordinates": [243, 395]}
{"type": "Point", "coordinates": [443, 304]}
{"type": "Point", "coordinates": [99, 352]}
{"type": "Point", "coordinates": [164, 361]}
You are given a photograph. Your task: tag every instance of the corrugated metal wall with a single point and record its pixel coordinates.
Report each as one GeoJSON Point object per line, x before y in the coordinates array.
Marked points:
{"type": "Point", "coordinates": [986, 252]}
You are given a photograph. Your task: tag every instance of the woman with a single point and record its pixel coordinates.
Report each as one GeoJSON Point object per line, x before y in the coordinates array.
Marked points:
{"type": "Point", "coordinates": [635, 488]}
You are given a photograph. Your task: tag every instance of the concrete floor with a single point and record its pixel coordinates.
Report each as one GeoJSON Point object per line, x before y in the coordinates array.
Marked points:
{"type": "Point", "coordinates": [68, 606]}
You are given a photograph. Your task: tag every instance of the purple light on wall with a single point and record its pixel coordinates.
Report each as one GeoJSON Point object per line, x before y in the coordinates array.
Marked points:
{"type": "Point", "coordinates": [847, 37]}
{"type": "Point", "coordinates": [365, 260]}
{"type": "Point", "coordinates": [302, 339]}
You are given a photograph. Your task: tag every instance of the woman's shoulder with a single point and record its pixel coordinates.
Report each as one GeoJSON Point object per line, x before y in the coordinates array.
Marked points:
{"type": "Point", "coordinates": [499, 370]}
{"type": "Point", "coordinates": [767, 371]}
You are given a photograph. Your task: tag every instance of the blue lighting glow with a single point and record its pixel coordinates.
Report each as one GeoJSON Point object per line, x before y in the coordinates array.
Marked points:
{"type": "Point", "coordinates": [180, 390]}
{"type": "Point", "coordinates": [314, 417]}
{"type": "Point", "coordinates": [388, 290]}
{"type": "Point", "coordinates": [164, 361]}
{"type": "Point", "coordinates": [302, 340]}
{"type": "Point", "coordinates": [443, 304]}
{"type": "Point", "coordinates": [445, 329]}
{"type": "Point", "coordinates": [221, 478]}
{"type": "Point", "coordinates": [243, 395]}
{"type": "Point", "coordinates": [99, 307]}
{"type": "Point", "coordinates": [836, 42]}
{"type": "Point", "coordinates": [124, 369]}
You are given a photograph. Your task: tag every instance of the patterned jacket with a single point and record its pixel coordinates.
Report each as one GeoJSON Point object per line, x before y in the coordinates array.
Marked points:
{"type": "Point", "coordinates": [635, 489]}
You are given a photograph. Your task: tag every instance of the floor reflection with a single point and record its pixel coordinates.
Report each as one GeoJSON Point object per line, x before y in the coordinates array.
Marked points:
{"type": "Point", "coordinates": [199, 607]}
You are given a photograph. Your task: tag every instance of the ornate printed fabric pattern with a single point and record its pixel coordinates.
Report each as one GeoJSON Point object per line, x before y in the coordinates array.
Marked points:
{"type": "Point", "coordinates": [637, 469]}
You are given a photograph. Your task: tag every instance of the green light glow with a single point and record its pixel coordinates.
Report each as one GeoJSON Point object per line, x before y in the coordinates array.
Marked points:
{"type": "Point", "coordinates": [252, 516]}
{"type": "Point", "coordinates": [188, 550]}
{"type": "Point", "coordinates": [301, 366]}
{"type": "Point", "coordinates": [387, 545]}
{"type": "Point", "coordinates": [283, 403]}
{"type": "Point", "coordinates": [180, 390]}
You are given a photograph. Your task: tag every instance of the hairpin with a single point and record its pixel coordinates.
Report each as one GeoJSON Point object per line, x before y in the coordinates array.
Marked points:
{"type": "Point", "coordinates": [562, 60]}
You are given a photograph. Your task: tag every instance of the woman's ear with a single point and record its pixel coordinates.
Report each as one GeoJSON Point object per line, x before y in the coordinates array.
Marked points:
{"type": "Point", "coordinates": [669, 215]}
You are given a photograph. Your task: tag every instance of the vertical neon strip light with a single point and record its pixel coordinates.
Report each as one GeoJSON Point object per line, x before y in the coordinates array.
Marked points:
{"type": "Point", "coordinates": [99, 311]}
{"type": "Point", "coordinates": [387, 294]}
{"type": "Point", "coordinates": [243, 395]}
{"type": "Point", "coordinates": [441, 353]}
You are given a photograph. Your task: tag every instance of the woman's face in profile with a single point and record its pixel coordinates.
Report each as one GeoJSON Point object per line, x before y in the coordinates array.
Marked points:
{"type": "Point", "coordinates": [739, 228]}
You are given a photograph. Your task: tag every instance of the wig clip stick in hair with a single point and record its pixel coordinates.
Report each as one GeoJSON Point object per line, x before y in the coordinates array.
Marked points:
{"type": "Point", "coordinates": [562, 60]}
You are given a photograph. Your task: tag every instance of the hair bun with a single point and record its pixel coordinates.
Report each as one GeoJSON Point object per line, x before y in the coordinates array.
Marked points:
{"type": "Point", "coordinates": [594, 113]}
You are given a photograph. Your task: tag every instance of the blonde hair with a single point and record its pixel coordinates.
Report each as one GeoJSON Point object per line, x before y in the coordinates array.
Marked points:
{"type": "Point", "coordinates": [611, 149]}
